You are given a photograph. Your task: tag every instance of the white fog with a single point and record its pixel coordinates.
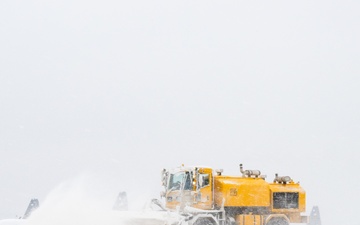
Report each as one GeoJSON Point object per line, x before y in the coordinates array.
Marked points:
{"type": "Point", "coordinates": [97, 97]}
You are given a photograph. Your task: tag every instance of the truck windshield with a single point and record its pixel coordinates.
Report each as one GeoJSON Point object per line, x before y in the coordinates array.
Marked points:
{"type": "Point", "coordinates": [177, 179]}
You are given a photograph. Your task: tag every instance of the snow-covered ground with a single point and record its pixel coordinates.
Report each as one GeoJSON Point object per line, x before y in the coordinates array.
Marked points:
{"type": "Point", "coordinates": [13, 222]}
{"type": "Point", "coordinates": [75, 203]}
{"type": "Point", "coordinates": [100, 218]}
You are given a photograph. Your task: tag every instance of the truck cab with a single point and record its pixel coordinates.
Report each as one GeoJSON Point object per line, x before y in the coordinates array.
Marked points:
{"type": "Point", "coordinates": [188, 186]}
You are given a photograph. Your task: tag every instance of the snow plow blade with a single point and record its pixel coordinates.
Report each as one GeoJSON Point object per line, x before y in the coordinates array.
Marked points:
{"type": "Point", "coordinates": [34, 204]}
{"type": "Point", "coordinates": [121, 202]}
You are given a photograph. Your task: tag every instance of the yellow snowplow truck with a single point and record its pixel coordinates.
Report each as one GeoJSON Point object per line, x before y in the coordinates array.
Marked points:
{"type": "Point", "coordinates": [204, 196]}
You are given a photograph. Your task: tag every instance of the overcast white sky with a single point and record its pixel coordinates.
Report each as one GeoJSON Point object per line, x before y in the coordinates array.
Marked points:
{"type": "Point", "coordinates": [117, 90]}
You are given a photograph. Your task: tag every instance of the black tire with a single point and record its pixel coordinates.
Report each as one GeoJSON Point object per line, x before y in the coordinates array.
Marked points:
{"type": "Point", "coordinates": [230, 221]}
{"type": "Point", "coordinates": [277, 221]}
{"type": "Point", "coordinates": [204, 221]}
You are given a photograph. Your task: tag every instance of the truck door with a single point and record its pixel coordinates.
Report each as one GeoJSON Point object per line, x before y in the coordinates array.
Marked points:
{"type": "Point", "coordinates": [204, 189]}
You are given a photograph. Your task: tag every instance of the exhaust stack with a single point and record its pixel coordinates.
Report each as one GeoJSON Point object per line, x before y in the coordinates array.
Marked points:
{"type": "Point", "coordinates": [282, 179]}
{"type": "Point", "coordinates": [249, 173]}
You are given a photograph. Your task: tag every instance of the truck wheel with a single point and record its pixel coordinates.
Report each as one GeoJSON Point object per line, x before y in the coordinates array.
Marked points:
{"type": "Point", "coordinates": [230, 221]}
{"type": "Point", "coordinates": [204, 221]}
{"type": "Point", "coordinates": [277, 221]}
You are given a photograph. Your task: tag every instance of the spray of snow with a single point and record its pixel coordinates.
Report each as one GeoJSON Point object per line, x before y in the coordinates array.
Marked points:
{"type": "Point", "coordinates": [82, 202]}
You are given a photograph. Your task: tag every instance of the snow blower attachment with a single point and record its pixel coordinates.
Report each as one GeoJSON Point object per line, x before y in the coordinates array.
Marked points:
{"type": "Point", "coordinates": [34, 204]}
{"type": "Point", "coordinates": [203, 196]}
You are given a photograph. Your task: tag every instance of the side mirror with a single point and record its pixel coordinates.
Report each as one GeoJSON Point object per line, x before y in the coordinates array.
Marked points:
{"type": "Point", "coordinates": [162, 194]}
{"type": "Point", "coordinates": [164, 175]}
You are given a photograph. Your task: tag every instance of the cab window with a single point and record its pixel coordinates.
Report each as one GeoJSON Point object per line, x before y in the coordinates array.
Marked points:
{"type": "Point", "coordinates": [204, 180]}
